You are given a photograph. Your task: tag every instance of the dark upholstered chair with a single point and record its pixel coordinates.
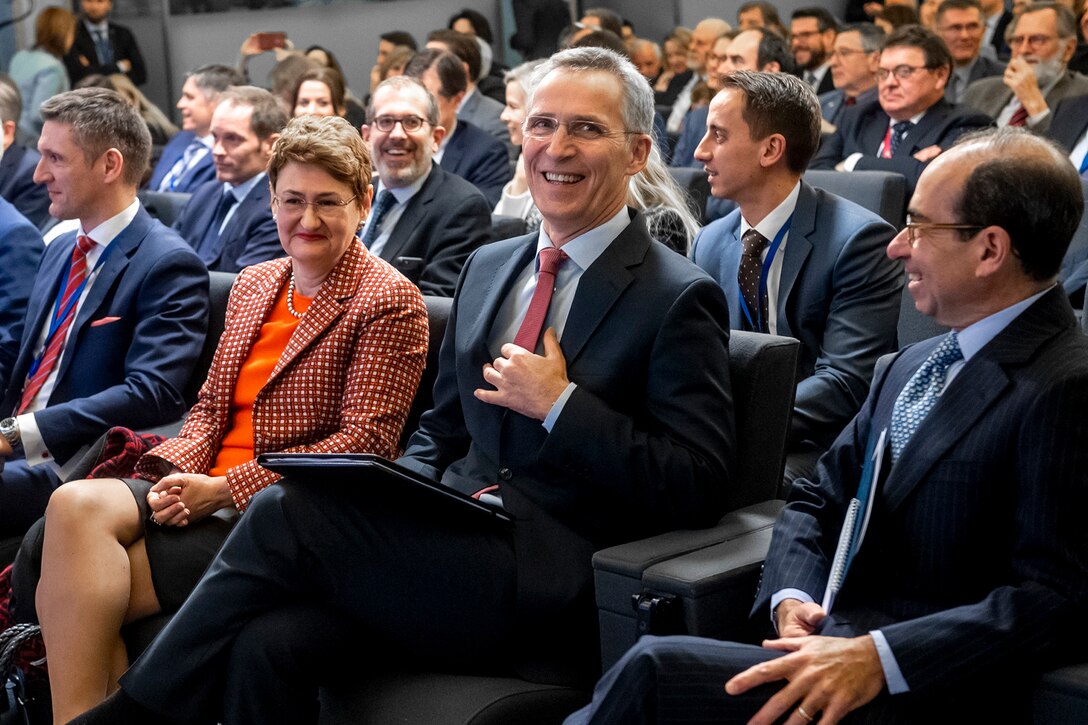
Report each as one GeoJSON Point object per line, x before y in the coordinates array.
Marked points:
{"type": "Point", "coordinates": [506, 227]}
{"type": "Point", "coordinates": [166, 206]}
{"type": "Point", "coordinates": [881, 192]}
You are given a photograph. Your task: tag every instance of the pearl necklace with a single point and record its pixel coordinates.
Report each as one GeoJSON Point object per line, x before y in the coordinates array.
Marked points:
{"type": "Point", "coordinates": [291, 298]}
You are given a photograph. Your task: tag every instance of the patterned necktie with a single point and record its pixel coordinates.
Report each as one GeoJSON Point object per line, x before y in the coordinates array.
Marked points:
{"type": "Point", "coordinates": [102, 47]}
{"type": "Point", "coordinates": [751, 267]}
{"type": "Point", "coordinates": [386, 200]}
{"type": "Point", "coordinates": [1020, 117]}
{"type": "Point", "coordinates": [899, 132]}
{"type": "Point", "coordinates": [529, 332]}
{"type": "Point", "coordinates": [77, 273]}
{"type": "Point", "coordinates": [208, 247]}
{"type": "Point", "coordinates": [849, 100]}
{"type": "Point", "coordinates": [922, 392]}
{"type": "Point", "coordinates": [177, 171]}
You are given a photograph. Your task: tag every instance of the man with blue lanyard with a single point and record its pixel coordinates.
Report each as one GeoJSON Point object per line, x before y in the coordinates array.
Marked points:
{"type": "Point", "coordinates": [118, 311]}
{"type": "Point", "coordinates": [794, 260]}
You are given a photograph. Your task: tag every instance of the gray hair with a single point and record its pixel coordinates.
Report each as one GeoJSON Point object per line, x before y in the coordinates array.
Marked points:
{"type": "Point", "coordinates": [213, 79]}
{"type": "Point", "coordinates": [872, 36]}
{"type": "Point", "coordinates": [655, 186]}
{"type": "Point", "coordinates": [1066, 21]}
{"type": "Point", "coordinates": [522, 74]}
{"type": "Point", "coordinates": [638, 97]}
{"type": "Point", "coordinates": [398, 84]}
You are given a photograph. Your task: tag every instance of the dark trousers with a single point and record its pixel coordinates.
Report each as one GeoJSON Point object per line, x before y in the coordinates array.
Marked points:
{"type": "Point", "coordinates": [309, 568]}
{"type": "Point", "coordinates": [666, 680]}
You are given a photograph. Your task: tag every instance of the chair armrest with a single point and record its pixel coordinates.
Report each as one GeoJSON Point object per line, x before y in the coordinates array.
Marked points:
{"type": "Point", "coordinates": [718, 567]}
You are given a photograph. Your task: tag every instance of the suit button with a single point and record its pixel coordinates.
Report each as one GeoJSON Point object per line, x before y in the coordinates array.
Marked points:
{"type": "Point", "coordinates": [505, 474]}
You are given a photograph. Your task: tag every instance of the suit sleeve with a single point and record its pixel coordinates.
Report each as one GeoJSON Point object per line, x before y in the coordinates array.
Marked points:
{"type": "Point", "coordinates": [679, 447]}
{"type": "Point", "coordinates": [19, 257]}
{"type": "Point", "coordinates": [491, 174]}
{"type": "Point", "coordinates": [830, 151]}
{"type": "Point", "coordinates": [1036, 620]}
{"type": "Point", "coordinates": [911, 167]}
{"type": "Point", "coordinates": [171, 313]}
{"type": "Point", "coordinates": [454, 235]}
{"type": "Point", "coordinates": [263, 244]}
{"type": "Point", "coordinates": [860, 327]}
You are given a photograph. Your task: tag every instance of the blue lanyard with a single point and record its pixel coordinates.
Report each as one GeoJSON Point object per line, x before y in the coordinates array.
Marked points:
{"type": "Point", "coordinates": [763, 275]}
{"type": "Point", "coordinates": [58, 313]}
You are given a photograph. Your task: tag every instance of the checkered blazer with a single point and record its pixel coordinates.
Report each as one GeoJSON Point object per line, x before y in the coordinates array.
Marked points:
{"type": "Point", "coordinates": [344, 383]}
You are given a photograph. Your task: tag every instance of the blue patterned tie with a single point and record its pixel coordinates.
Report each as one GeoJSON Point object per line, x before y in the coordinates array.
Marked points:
{"type": "Point", "coordinates": [922, 392]}
{"type": "Point", "coordinates": [386, 200]}
{"type": "Point", "coordinates": [899, 132]}
{"type": "Point", "coordinates": [102, 47]}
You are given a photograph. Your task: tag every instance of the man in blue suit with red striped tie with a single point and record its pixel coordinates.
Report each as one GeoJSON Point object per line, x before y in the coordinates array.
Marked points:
{"type": "Point", "coordinates": [118, 311]}
{"type": "Point", "coordinates": [972, 574]}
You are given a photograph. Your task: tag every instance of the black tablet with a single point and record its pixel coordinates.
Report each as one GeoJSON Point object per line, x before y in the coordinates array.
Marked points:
{"type": "Point", "coordinates": [383, 474]}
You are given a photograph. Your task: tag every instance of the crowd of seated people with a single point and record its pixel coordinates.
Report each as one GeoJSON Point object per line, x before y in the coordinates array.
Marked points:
{"type": "Point", "coordinates": [107, 318]}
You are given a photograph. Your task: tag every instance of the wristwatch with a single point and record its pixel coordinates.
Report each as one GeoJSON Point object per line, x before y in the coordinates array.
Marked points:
{"type": "Point", "coordinates": [9, 428]}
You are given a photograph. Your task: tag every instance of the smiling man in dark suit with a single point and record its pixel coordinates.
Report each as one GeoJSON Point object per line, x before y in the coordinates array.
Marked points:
{"type": "Point", "coordinates": [229, 221]}
{"type": "Point", "coordinates": [588, 396]}
{"type": "Point", "coordinates": [465, 150]}
{"type": "Point", "coordinates": [118, 311]}
{"type": "Point", "coordinates": [794, 260]}
{"type": "Point", "coordinates": [972, 575]}
{"type": "Point", "coordinates": [910, 122]}
{"type": "Point", "coordinates": [425, 220]}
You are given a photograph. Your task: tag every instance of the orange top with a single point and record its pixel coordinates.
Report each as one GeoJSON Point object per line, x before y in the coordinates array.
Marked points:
{"type": "Point", "coordinates": [237, 445]}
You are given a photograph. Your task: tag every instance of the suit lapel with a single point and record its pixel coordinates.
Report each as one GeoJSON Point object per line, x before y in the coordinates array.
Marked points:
{"type": "Point", "coordinates": [328, 304]}
{"type": "Point", "coordinates": [602, 284]}
{"type": "Point", "coordinates": [111, 268]}
{"type": "Point", "coordinates": [412, 215]}
{"type": "Point", "coordinates": [730, 270]}
{"type": "Point", "coordinates": [798, 247]}
{"type": "Point", "coordinates": [916, 138]}
{"type": "Point", "coordinates": [873, 133]}
{"type": "Point", "coordinates": [973, 392]}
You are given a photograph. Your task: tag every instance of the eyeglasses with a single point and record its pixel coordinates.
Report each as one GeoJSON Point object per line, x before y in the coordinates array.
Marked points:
{"type": "Point", "coordinates": [901, 72]}
{"type": "Point", "coordinates": [970, 28]}
{"type": "Point", "coordinates": [324, 208]}
{"type": "Point", "coordinates": [845, 53]}
{"type": "Point", "coordinates": [916, 229]}
{"type": "Point", "coordinates": [1033, 41]}
{"type": "Point", "coordinates": [385, 124]}
{"type": "Point", "coordinates": [542, 128]}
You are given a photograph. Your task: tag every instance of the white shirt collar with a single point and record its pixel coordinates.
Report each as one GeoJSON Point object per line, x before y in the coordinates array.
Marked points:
{"type": "Point", "coordinates": [108, 230]}
{"type": "Point", "coordinates": [584, 249]}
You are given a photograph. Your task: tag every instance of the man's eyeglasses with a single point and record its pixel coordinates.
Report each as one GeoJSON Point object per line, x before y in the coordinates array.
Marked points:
{"type": "Point", "coordinates": [1033, 41]}
{"type": "Point", "coordinates": [542, 128]}
{"type": "Point", "coordinates": [901, 72]}
{"type": "Point", "coordinates": [957, 29]}
{"type": "Point", "coordinates": [915, 230]}
{"type": "Point", "coordinates": [385, 124]}
{"type": "Point", "coordinates": [845, 53]}
{"type": "Point", "coordinates": [324, 208]}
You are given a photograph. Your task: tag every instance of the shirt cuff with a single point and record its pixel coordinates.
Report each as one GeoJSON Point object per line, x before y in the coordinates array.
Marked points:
{"type": "Point", "coordinates": [782, 594]}
{"type": "Point", "coordinates": [892, 675]}
{"type": "Point", "coordinates": [1034, 120]}
{"type": "Point", "coordinates": [557, 407]}
{"type": "Point", "coordinates": [851, 161]}
{"type": "Point", "coordinates": [34, 450]}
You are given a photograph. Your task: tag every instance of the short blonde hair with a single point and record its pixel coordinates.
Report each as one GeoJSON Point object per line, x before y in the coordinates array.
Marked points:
{"type": "Point", "coordinates": [332, 144]}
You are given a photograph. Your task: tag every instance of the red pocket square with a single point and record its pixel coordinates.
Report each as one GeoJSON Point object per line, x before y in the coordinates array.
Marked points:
{"type": "Point", "coordinates": [104, 321]}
